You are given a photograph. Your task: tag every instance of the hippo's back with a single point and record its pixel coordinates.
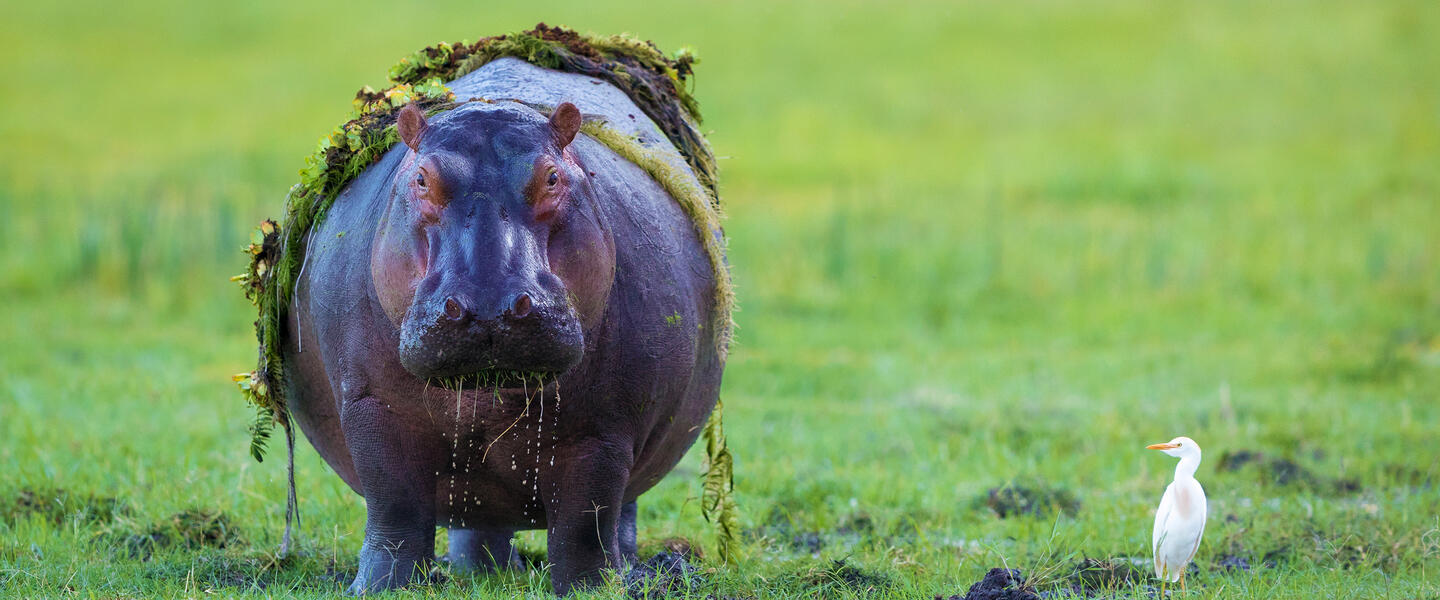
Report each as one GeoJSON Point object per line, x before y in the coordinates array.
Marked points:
{"type": "Point", "coordinates": [514, 79]}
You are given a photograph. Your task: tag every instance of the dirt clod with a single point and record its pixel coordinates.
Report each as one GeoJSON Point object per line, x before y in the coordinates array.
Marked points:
{"type": "Point", "coordinates": [1029, 498]}
{"type": "Point", "coordinates": [660, 576]}
{"type": "Point", "coordinates": [844, 574]}
{"type": "Point", "coordinates": [998, 584]}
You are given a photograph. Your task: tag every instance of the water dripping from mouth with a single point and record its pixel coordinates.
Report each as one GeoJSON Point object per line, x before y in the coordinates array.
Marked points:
{"type": "Point", "coordinates": [455, 452]}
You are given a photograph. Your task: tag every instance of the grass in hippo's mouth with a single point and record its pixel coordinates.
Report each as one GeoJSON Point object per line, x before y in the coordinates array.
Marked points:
{"type": "Point", "coordinates": [496, 379]}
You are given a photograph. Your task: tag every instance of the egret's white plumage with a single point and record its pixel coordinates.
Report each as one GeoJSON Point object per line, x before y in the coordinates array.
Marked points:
{"type": "Point", "coordinates": [1180, 520]}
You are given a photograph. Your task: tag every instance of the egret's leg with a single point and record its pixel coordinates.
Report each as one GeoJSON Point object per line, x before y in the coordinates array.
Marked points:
{"type": "Point", "coordinates": [1183, 592]}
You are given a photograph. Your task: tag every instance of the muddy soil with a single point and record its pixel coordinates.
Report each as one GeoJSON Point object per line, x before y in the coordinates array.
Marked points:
{"type": "Point", "coordinates": [1284, 472]}
{"type": "Point", "coordinates": [998, 584]}
{"type": "Point", "coordinates": [1028, 497]}
{"type": "Point", "coordinates": [840, 573]}
{"type": "Point", "coordinates": [660, 576]}
{"type": "Point", "coordinates": [856, 529]}
{"type": "Point", "coordinates": [1087, 578]}
{"type": "Point", "coordinates": [189, 529]}
{"type": "Point", "coordinates": [58, 505]}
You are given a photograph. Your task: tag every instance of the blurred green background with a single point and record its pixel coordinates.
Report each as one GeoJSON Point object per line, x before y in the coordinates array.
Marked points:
{"type": "Point", "coordinates": [975, 243]}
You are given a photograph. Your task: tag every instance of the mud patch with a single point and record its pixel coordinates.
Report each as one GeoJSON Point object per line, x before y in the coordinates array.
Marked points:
{"type": "Point", "coordinates": [1087, 578]}
{"type": "Point", "coordinates": [779, 527]}
{"type": "Point", "coordinates": [1094, 577]}
{"type": "Point", "coordinates": [189, 529]}
{"type": "Point", "coordinates": [1028, 497]}
{"type": "Point", "coordinates": [57, 506]}
{"type": "Point", "coordinates": [1232, 562]}
{"type": "Point", "coordinates": [998, 584]}
{"type": "Point", "coordinates": [256, 571]}
{"type": "Point", "coordinates": [856, 533]}
{"type": "Point", "coordinates": [1283, 472]}
{"type": "Point", "coordinates": [842, 574]}
{"type": "Point", "coordinates": [809, 542]}
{"type": "Point", "coordinates": [1235, 556]}
{"type": "Point", "coordinates": [661, 576]}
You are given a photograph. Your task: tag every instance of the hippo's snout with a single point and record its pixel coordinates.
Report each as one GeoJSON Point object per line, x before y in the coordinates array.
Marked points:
{"type": "Point", "coordinates": [458, 308]}
{"type": "Point", "coordinates": [455, 334]}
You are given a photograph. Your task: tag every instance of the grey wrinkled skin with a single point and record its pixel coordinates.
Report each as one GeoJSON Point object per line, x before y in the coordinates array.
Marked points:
{"type": "Point", "coordinates": [635, 367]}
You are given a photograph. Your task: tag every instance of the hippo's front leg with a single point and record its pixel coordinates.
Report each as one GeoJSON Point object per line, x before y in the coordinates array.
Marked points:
{"type": "Point", "coordinates": [396, 469]}
{"type": "Point", "coordinates": [585, 517]}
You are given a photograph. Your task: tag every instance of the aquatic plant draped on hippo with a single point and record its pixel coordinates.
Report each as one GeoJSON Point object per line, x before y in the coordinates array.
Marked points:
{"type": "Point", "coordinates": [504, 325]}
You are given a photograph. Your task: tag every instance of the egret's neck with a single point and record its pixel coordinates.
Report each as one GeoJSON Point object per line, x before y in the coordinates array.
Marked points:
{"type": "Point", "coordinates": [1186, 468]}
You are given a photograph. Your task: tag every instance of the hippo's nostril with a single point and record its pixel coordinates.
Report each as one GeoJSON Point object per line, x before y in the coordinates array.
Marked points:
{"type": "Point", "coordinates": [453, 310]}
{"type": "Point", "coordinates": [522, 306]}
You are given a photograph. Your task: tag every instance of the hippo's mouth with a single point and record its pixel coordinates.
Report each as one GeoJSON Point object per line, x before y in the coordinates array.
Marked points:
{"type": "Point", "coordinates": [498, 380]}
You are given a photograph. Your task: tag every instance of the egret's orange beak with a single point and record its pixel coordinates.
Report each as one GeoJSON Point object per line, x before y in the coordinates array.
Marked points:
{"type": "Point", "coordinates": [1165, 446]}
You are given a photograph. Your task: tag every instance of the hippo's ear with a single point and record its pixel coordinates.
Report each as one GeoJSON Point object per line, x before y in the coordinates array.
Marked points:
{"type": "Point", "coordinates": [565, 123]}
{"type": "Point", "coordinates": [411, 124]}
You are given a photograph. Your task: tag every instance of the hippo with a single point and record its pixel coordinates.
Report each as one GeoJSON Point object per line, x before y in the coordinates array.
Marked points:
{"type": "Point", "coordinates": [503, 325]}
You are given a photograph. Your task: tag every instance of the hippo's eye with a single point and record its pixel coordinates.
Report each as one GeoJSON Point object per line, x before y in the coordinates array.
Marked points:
{"type": "Point", "coordinates": [554, 178]}
{"type": "Point", "coordinates": [420, 180]}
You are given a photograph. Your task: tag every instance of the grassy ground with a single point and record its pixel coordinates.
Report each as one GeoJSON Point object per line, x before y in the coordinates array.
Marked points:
{"type": "Point", "coordinates": [976, 244]}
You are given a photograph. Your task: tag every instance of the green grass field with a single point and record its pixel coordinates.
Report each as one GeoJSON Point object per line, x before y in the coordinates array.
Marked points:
{"type": "Point", "coordinates": [976, 244]}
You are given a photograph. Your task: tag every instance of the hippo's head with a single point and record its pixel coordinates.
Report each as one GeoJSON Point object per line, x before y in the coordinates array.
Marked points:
{"type": "Point", "coordinates": [491, 257]}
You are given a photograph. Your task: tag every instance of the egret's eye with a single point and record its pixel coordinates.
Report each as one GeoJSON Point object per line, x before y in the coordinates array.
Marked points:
{"type": "Point", "coordinates": [554, 178]}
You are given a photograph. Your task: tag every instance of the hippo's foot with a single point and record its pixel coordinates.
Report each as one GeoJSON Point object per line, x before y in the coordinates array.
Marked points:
{"type": "Point", "coordinates": [482, 550]}
{"type": "Point", "coordinates": [389, 568]}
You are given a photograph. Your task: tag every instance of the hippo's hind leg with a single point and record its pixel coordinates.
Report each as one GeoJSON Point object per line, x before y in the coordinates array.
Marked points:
{"type": "Point", "coordinates": [396, 472]}
{"type": "Point", "coordinates": [482, 550]}
{"type": "Point", "coordinates": [629, 543]}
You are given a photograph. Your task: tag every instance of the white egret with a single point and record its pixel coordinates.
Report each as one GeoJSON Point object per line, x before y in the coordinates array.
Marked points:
{"type": "Point", "coordinates": [1180, 520]}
